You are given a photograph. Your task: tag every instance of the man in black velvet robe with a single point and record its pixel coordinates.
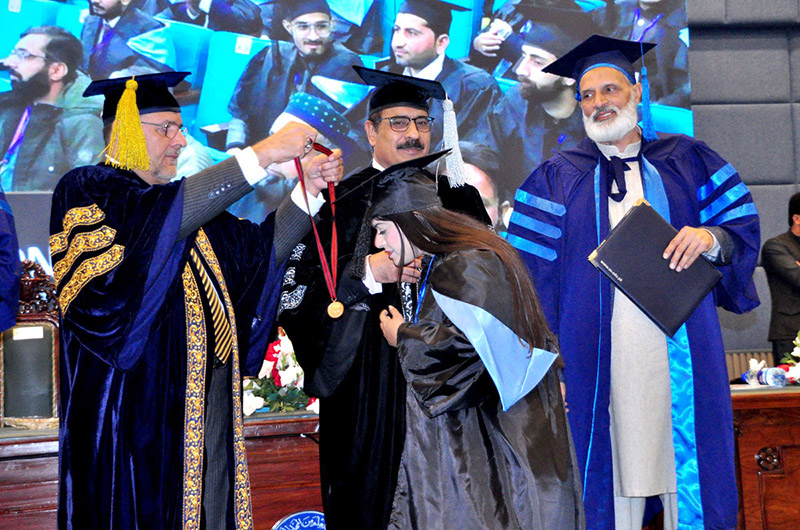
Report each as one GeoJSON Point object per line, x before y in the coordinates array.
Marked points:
{"type": "Point", "coordinates": [347, 362]}
{"type": "Point", "coordinates": [156, 283]}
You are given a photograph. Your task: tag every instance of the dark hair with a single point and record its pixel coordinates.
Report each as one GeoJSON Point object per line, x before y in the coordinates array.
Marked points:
{"type": "Point", "coordinates": [63, 47]}
{"type": "Point", "coordinates": [375, 117]}
{"type": "Point", "coordinates": [794, 207]}
{"type": "Point", "coordinates": [481, 156]}
{"type": "Point", "coordinates": [437, 230]}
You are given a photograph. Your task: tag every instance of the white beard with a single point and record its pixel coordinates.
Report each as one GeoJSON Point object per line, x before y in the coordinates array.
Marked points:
{"type": "Point", "coordinates": [616, 128]}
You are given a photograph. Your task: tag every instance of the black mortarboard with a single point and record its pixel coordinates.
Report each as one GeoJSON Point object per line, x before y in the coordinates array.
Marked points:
{"type": "Point", "coordinates": [415, 163]}
{"type": "Point", "coordinates": [556, 30]}
{"type": "Point", "coordinates": [405, 187]}
{"type": "Point", "coordinates": [436, 13]}
{"type": "Point", "coordinates": [597, 51]}
{"type": "Point", "coordinates": [395, 90]}
{"type": "Point", "coordinates": [152, 94]}
{"type": "Point", "coordinates": [292, 9]}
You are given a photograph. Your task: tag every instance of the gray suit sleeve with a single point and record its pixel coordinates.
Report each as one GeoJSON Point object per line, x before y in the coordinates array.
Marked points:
{"type": "Point", "coordinates": [291, 226]}
{"type": "Point", "coordinates": [725, 244]}
{"type": "Point", "coordinates": [208, 193]}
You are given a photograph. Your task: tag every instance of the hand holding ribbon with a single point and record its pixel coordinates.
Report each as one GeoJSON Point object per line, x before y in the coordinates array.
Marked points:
{"type": "Point", "coordinates": [335, 308]}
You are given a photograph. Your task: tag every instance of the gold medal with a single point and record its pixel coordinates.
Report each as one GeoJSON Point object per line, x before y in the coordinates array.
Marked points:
{"type": "Point", "coordinates": [335, 309]}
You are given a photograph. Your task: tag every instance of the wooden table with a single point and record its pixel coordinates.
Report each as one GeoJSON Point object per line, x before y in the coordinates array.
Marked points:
{"type": "Point", "coordinates": [767, 428]}
{"type": "Point", "coordinates": [282, 457]}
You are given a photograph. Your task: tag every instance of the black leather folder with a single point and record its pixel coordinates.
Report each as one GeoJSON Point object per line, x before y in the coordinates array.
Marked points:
{"type": "Point", "coordinates": [631, 257]}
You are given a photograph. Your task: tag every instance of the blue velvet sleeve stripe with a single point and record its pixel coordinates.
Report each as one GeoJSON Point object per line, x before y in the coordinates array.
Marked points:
{"type": "Point", "coordinates": [5, 207]}
{"type": "Point", "coordinates": [717, 179]}
{"type": "Point", "coordinates": [531, 248]}
{"type": "Point", "coordinates": [723, 201]}
{"type": "Point", "coordinates": [539, 203]}
{"type": "Point", "coordinates": [740, 211]}
{"type": "Point", "coordinates": [535, 225]}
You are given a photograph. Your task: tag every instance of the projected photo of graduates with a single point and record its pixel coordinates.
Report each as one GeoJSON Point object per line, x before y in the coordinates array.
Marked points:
{"type": "Point", "coordinates": [257, 64]}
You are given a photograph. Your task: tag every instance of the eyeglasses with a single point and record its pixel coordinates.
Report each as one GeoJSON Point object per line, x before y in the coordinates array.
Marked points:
{"type": "Point", "coordinates": [323, 29]}
{"type": "Point", "coordinates": [24, 55]}
{"type": "Point", "coordinates": [402, 123]}
{"type": "Point", "coordinates": [169, 129]}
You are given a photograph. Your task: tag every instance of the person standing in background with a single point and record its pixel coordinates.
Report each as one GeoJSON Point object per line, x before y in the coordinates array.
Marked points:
{"type": "Point", "coordinates": [780, 257]}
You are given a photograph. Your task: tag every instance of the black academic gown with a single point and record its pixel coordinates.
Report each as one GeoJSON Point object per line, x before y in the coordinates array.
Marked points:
{"type": "Point", "coordinates": [349, 365]}
{"type": "Point", "coordinates": [135, 346]}
{"type": "Point", "coordinates": [467, 464]}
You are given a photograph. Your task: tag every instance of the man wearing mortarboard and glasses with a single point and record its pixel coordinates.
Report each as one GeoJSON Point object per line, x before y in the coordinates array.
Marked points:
{"type": "Point", "coordinates": [650, 414]}
{"type": "Point", "coordinates": [148, 273]}
{"type": "Point", "coordinates": [283, 69]}
{"type": "Point", "coordinates": [347, 362]}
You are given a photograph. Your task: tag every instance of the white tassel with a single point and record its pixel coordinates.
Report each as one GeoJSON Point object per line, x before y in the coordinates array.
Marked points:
{"type": "Point", "coordinates": [455, 165]}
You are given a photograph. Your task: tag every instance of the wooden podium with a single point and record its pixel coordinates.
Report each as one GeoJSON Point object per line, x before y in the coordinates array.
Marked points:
{"type": "Point", "coordinates": [767, 428]}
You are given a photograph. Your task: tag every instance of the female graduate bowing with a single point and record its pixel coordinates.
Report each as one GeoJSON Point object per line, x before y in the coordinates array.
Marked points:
{"type": "Point", "coordinates": [487, 440]}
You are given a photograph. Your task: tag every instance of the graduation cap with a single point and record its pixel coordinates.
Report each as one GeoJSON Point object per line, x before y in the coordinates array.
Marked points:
{"type": "Point", "coordinates": [436, 13]}
{"type": "Point", "coordinates": [396, 90]}
{"type": "Point", "coordinates": [556, 30]}
{"type": "Point", "coordinates": [597, 51]}
{"type": "Point", "coordinates": [125, 99]}
{"type": "Point", "coordinates": [291, 9]}
{"type": "Point", "coordinates": [406, 187]}
{"type": "Point", "coordinates": [414, 165]}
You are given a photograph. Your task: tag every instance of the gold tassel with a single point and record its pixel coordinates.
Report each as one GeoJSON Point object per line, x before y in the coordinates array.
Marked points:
{"type": "Point", "coordinates": [127, 148]}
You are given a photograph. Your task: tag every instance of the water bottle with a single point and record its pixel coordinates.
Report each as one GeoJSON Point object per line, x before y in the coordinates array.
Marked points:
{"type": "Point", "coordinates": [768, 376]}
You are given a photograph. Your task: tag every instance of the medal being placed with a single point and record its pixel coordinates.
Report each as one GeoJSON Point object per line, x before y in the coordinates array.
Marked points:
{"type": "Point", "coordinates": [335, 309]}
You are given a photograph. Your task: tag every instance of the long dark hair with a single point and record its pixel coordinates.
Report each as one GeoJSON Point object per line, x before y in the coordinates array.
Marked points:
{"type": "Point", "coordinates": [440, 231]}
